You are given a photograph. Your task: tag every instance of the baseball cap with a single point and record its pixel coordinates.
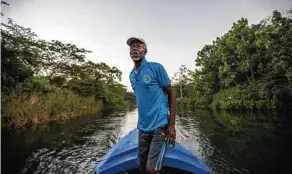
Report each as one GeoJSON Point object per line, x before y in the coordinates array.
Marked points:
{"type": "Point", "coordinates": [131, 39]}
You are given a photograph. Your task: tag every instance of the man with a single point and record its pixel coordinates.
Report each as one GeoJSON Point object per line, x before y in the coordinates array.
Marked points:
{"type": "Point", "coordinates": [152, 87]}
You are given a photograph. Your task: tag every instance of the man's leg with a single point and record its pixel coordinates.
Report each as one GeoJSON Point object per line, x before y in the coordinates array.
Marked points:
{"type": "Point", "coordinates": [144, 143]}
{"type": "Point", "coordinates": [157, 151]}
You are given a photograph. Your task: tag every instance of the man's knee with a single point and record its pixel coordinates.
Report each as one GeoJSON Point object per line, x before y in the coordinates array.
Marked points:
{"type": "Point", "coordinates": [151, 170]}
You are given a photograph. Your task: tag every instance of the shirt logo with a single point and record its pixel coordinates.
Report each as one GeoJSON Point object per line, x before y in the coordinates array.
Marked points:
{"type": "Point", "coordinates": [146, 78]}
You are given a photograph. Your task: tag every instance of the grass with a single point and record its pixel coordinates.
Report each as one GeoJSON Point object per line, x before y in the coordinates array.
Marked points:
{"type": "Point", "coordinates": [23, 109]}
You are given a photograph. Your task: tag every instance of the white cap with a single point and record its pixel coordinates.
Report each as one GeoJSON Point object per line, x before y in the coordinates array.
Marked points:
{"type": "Point", "coordinates": [131, 39]}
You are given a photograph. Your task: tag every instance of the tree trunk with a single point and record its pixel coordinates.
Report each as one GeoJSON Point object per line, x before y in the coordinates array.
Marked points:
{"type": "Point", "coordinates": [181, 95]}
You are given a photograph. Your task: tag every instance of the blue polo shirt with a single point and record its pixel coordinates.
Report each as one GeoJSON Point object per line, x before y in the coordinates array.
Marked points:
{"type": "Point", "coordinates": [148, 83]}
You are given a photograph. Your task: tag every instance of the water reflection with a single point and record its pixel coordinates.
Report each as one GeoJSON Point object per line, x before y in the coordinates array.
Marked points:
{"type": "Point", "coordinates": [75, 147]}
{"type": "Point", "coordinates": [130, 122]}
{"type": "Point", "coordinates": [228, 143]}
{"type": "Point", "coordinates": [191, 136]}
{"type": "Point", "coordinates": [243, 143]}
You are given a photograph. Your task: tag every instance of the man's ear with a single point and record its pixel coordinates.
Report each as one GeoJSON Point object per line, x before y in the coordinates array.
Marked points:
{"type": "Point", "coordinates": [145, 51]}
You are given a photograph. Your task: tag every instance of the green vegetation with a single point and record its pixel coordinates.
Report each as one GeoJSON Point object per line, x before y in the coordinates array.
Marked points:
{"type": "Point", "coordinates": [248, 68]}
{"type": "Point", "coordinates": [56, 105]}
{"type": "Point", "coordinates": [51, 80]}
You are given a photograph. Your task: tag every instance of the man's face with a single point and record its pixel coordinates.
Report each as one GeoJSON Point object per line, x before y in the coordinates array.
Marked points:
{"type": "Point", "coordinates": [137, 51]}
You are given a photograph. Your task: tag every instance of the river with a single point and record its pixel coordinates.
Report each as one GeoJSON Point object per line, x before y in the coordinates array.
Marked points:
{"type": "Point", "coordinates": [227, 143]}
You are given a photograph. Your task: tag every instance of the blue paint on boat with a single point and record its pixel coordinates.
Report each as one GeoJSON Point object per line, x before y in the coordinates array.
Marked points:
{"type": "Point", "coordinates": [123, 156]}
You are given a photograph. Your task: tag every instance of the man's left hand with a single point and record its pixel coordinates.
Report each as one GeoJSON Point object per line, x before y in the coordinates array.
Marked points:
{"type": "Point", "coordinates": [171, 135]}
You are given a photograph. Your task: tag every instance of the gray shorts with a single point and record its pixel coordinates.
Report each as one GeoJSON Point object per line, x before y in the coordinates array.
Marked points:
{"type": "Point", "coordinates": [151, 149]}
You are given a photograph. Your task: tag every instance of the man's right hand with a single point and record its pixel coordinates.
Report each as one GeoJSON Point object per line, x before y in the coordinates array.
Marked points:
{"type": "Point", "coordinates": [171, 135]}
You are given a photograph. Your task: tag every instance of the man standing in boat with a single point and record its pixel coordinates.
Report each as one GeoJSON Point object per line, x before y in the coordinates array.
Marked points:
{"type": "Point", "coordinates": [154, 94]}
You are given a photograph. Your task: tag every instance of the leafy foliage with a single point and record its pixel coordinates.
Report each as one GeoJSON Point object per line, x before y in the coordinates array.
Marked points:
{"type": "Point", "coordinates": [33, 67]}
{"type": "Point", "coordinates": [249, 67]}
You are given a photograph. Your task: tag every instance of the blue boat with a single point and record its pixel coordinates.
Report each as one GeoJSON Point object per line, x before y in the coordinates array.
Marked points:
{"type": "Point", "coordinates": [122, 158]}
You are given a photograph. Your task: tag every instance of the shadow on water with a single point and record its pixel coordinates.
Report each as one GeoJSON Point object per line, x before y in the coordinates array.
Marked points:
{"type": "Point", "coordinates": [75, 145]}
{"type": "Point", "coordinates": [239, 143]}
{"type": "Point", "coordinates": [228, 143]}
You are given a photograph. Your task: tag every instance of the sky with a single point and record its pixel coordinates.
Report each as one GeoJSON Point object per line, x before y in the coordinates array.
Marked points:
{"type": "Point", "coordinates": [175, 30]}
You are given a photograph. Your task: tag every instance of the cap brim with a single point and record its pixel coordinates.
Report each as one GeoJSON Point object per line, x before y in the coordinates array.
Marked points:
{"type": "Point", "coordinates": [132, 39]}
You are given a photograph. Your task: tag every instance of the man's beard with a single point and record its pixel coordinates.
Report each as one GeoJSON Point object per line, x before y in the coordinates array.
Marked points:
{"type": "Point", "coordinates": [136, 58]}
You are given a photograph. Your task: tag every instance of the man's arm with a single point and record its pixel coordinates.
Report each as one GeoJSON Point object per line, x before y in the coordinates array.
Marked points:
{"type": "Point", "coordinates": [165, 83]}
{"type": "Point", "coordinates": [170, 131]}
{"type": "Point", "coordinates": [172, 104]}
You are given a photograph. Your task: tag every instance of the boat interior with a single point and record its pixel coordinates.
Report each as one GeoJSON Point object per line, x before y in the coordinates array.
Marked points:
{"type": "Point", "coordinates": [164, 170]}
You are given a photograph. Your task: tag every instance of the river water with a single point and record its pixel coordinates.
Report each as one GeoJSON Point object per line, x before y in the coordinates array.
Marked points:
{"type": "Point", "coordinates": [227, 143]}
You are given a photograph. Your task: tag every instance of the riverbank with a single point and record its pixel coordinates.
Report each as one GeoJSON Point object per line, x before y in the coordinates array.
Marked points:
{"type": "Point", "coordinates": [242, 98]}
{"type": "Point", "coordinates": [23, 109]}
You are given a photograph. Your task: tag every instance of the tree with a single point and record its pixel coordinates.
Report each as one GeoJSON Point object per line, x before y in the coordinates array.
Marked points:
{"type": "Point", "coordinates": [249, 66]}
{"type": "Point", "coordinates": [181, 78]}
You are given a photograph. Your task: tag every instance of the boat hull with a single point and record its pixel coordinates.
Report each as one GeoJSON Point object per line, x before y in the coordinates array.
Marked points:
{"type": "Point", "coordinates": [123, 157]}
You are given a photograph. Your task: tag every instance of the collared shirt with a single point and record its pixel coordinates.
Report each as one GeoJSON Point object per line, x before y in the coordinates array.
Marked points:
{"type": "Point", "coordinates": [148, 83]}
